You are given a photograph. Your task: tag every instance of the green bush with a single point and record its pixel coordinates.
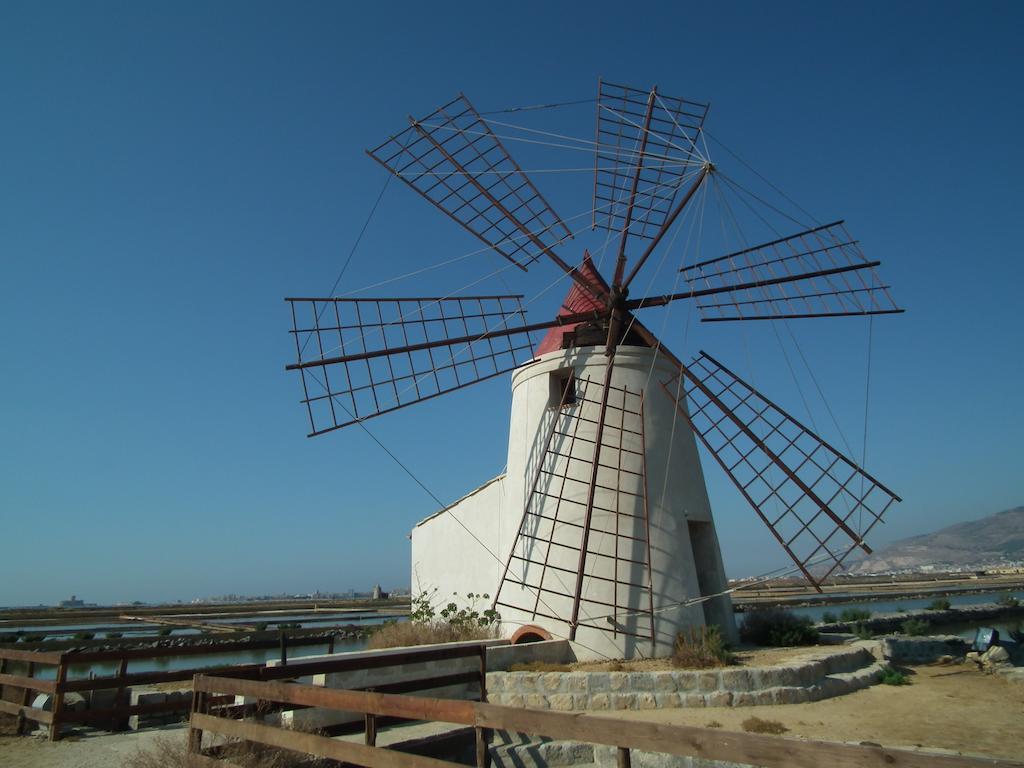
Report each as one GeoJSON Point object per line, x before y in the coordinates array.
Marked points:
{"type": "Point", "coordinates": [828, 618]}
{"type": "Point", "coordinates": [850, 615]}
{"type": "Point", "coordinates": [165, 631]}
{"type": "Point", "coordinates": [915, 627]}
{"type": "Point", "coordinates": [427, 625]}
{"type": "Point", "coordinates": [701, 647]}
{"type": "Point", "coordinates": [33, 637]}
{"type": "Point", "coordinates": [939, 604]}
{"type": "Point", "coordinates": [84, 635]}
{"type": "Point", "coordinates": [774, 626]}
{"type": "Point", "coordinates": [890, 676]}
{"type": "Point", "coordinates": [260, 626]}
{"type": "Point", "coordinates": [113, 635]}
{"type": "Point", "coordinates": [9, 637]}
{"type": "Point", "coordinates": [1008, 601]}
{"type": "Point", "coordinates": [860, 629]}
{"type": "Point", "coordinates": [289, 625]}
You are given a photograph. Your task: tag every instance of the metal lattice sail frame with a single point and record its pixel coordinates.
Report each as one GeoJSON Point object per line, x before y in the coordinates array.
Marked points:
{"type": "Point", "coordinates": [648, 169]}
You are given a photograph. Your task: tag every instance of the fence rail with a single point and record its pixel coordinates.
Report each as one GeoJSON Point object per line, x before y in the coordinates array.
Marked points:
{"type": "Point", "coordinates": [16, 690]}
{"type": "Point", "coordinates": [625, 735]}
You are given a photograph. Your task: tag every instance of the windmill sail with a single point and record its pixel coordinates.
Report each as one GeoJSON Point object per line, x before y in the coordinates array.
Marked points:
{"type": "Point", "coordinates": [817, 503]}
{"type": "Point", "coordinates": [361, 358]}
{"type": "Point", "coordinates": [453, 159]}
{"type": "Point", "coordinates": [820, 272]}
{"type": "Point", "coordinates": [646, 148]}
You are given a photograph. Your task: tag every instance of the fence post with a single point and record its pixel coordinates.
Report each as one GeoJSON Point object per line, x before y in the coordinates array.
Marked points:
{"type": "Point", "coordinates": [483, 735]}
{"type": "Point", "coordinates": [195, 735]}
{"type": "Point", "coordinates": [284, 648]}
{"type": "Point", "coordinates": [623, 757]}
{"type": "Point", "coordinates": [123, 697]}
{"type": "Point", "coordinates": [330, 645]}
{"type": "Point", "coordinates": [58, 698]}
{"type": "Point", "coordinates": [371, 726]}
{"type": "Point", "coordinates": [24, 699]}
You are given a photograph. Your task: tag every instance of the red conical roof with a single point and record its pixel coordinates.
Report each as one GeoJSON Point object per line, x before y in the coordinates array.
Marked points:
{"type": "Point", "coordinates": [577, 300]}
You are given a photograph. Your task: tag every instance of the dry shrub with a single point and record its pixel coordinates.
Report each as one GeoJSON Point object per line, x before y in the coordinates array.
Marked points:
{"type": "Point", "coordinates": [400, 634]}
{"type": "Point", "coordinates": [167, 752]}
{"type": "Point", "coordinates": [701, 647]}
{"type": "Point", "coordinates": [757, 725]}
{"type": "Point", "coordinates": [540, 666]}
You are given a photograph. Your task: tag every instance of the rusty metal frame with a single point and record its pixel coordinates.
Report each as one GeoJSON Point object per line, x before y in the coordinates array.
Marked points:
{"type": "Point", "coordinates": [738, 436]}
{"type": "Point", "coordinates": [815, 284]}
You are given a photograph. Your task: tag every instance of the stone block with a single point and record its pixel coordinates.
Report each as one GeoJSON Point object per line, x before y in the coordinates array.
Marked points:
{"type": "Point", "coordinates": [536, 701]}
{"type": "Point", "coordinates": [514, 700]}
{"type": "Point", "coordinates": [599, 701]}
{"type": "Point", "coordinates": [624, 701]}
{"type": "Point", "coordinates": [577, 682]}
{"type": "Point", "coordinates": [685, 681]}
{"type": "Point", "coordinates": [665, 682]}
{"type": "Point", "coordinates": [618, 681]}
{"type": "Point", "coordinates": [599, 682]}
{"type": "Point", "coordinates": [668, 700]}
{"type": "Point", "coordinates": [551, 682]}
{"type": "Point", "coordinates": [495, 682]}
{"type": "Point", "coordinates": [736, 680]}
{"type": "Point", "coordinates": [743, 699]}
{"type": "Point", "coordinates": [562, 702]}
{"type": "Point", "coordinates": [693, 700]}
{"type": "Point", "coordinates": [641, 681]}
{"type": "Point", "coordinates": [719, 699]}
{"type": "Point", "coordinates": [708, 681]}
{"type": "Point", "coordinates": [526, 682]}
{"type": "Point", "coordinates": [646, 701]}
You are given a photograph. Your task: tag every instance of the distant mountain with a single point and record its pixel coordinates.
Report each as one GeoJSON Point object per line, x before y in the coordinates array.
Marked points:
{"type": "Point", "coordinates": [992, 540]}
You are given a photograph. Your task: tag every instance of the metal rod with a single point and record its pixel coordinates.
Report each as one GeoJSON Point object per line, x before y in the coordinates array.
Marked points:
{"type": "Point", "coordinates": [561, 320]}
{"type": "Point", "coordinates": [620, 263]}
{"type": "Point", "coordinates": [660, 301]}
{"type": "Point", "coordinates": [666, 225]}
{"type": "Point", "coordinates": [590, 496]}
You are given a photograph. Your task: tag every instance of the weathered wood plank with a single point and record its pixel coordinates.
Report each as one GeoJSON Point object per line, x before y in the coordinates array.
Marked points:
{"type": "Point", "coordinates": [686, 741]}
{"type": "Point", "coordinates": [39, 657]}
{"type": "Point", "coordinates": [30, 713]}
{"type": "Point", "coordinates": [412, 707]}
{"type": "Point", "coordinates": [32, 683]}
{"type": "Point", "coordinates": [321, 746]}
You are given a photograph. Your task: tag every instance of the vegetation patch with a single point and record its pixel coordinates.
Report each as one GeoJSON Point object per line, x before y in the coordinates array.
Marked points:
{"type": "Point", "coordinates": [757, 725]}
{"type": "Point", "coordinates": [862, 631]}
{"type": "Point", "coordinates": [915, 627]}
{"type": "Point", "coordinates": [939, 604]}
{"type": "Point", "coordinates": [701, 647]}
{"type": "Point", "coordinates": [776, 627]}
{"type": "Point", "coordinates": [828, 618]}
{"type": "Point", "coordinates": [166, 752]}
{"type": "Point", "coordinates": [1008, 601]}
{"type": "Point", "coordinates": [428, 625]}
{"type": "Point", "coordinates": [851, 615]}
{"type": "Point", "coordinates": [540, 666]}
{"type": "Point", "coordinates": [890, 676]}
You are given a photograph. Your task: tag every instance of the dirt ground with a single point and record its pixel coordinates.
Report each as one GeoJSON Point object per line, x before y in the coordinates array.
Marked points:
{"type": "Point", "coordinates": [747, 657]}
{"type": "Point", "coordinates": [945, 707]}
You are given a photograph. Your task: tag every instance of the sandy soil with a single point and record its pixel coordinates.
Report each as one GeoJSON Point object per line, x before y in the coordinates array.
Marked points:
{"type": "Point", "coordinates": [96, 750]}
{"type": "Point", "coordinates": [945, 707]}
{"type": "Point", "coordinates": [747, 657]}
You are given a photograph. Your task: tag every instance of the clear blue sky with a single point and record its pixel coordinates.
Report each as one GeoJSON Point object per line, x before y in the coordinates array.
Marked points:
{"type": "Point", "coordinates": [170, 171]}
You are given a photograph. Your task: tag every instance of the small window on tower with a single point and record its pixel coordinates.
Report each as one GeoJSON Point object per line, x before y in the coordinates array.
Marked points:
{"type": "Point", "coordinates": [561, 388]}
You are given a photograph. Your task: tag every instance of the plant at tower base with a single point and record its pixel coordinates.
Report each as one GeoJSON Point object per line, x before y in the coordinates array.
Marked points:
{"type": "Point", "coordinates": [701, 647]}
{"type": "Point", "coordinates": [776, 627]}
{"type": "Point", "coordinates": [459, 619]}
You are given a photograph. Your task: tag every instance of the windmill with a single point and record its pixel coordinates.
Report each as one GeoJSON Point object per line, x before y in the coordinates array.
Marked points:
{"type": "Point", "coordinates": [600, 530]}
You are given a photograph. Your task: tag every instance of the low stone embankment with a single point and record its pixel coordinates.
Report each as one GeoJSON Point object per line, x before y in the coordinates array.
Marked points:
{"type": "Point", "coordinates": [965, 614]}
{"type": "Point", "coordinates": [821, 674]}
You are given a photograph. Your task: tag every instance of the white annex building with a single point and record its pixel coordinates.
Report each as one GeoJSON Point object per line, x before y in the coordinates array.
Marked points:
{"type": "Point", "coordinates": [624, 583]}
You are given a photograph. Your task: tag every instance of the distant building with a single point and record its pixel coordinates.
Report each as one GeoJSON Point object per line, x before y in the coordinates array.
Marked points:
{"type": "Point", "coordinates": [378, 593]}
{"type": "Point", "coordinates": [74, 602]}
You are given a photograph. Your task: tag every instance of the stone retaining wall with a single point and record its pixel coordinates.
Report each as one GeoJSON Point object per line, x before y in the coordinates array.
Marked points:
{"type": "Point", "coordinates": [822, 674]}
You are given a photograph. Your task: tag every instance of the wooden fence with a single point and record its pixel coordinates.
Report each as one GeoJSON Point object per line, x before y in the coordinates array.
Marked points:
{"type": "Point", "coordinates": [213, 715]}
{"type": "Point", "coordinates": [20, 681]}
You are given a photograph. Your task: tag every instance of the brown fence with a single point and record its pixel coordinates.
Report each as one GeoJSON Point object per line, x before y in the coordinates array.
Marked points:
{"type": "Point", "coordinates": [19, 680]}
{"type": "Point", "coordinates": [210, 716]}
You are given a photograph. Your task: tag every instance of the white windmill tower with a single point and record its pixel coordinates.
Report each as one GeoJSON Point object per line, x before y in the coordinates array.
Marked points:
{"type": "Point", "coordinates": [600, 529]}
